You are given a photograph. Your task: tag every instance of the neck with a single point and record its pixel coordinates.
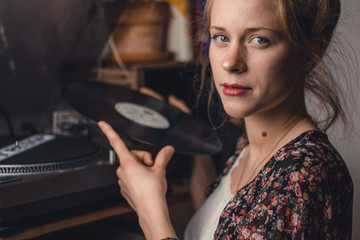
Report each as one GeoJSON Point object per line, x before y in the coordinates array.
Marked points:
{"type": "Point", "coordinates": [269, 131]}
{"type": "Point", "coordinates": [260, 131]}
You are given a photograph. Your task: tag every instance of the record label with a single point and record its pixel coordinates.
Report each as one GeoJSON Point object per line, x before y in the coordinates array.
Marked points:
{"type": "Point", "coordinates": [142, 115]}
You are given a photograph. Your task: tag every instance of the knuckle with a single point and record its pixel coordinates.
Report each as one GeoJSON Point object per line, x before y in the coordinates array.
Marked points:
{"type": "Point", "coordinates": [118, 172]}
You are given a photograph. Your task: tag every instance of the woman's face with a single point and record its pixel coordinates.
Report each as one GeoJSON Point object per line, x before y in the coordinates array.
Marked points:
{"type": "Point", "coordinates": [255, 66]}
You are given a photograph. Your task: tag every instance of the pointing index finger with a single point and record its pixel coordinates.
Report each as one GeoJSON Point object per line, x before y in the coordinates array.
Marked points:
{"type": "Point", "coordinates": [115, 141]}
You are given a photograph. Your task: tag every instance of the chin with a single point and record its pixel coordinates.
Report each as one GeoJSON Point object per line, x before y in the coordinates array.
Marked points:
{"type": "Point", "coordinates": [238, 113]}
{"type": "Point", "coordinates": [234, 113]}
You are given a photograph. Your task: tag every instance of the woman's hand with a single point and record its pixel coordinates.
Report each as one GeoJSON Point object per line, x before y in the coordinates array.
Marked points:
{"type": "Point", "coordinates": [143, 184]}
{"type": "Point", "coordinates": [203, 168]}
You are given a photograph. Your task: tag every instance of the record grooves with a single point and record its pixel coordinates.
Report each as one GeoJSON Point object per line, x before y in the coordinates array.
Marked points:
{"type": "Point", "coordinates": [142, 118]}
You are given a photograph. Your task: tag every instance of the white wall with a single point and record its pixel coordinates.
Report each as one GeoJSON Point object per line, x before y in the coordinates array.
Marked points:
{"type": "Point", "coordinates": [349, 144]}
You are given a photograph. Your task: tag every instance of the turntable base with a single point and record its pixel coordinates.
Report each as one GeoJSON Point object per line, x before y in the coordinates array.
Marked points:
{"type": "Point", "coordinates": [45, 177]}
{"type": "Point", "coordinates": [62, 182]}
{"type": "Point", "coordinates": [179, 193]}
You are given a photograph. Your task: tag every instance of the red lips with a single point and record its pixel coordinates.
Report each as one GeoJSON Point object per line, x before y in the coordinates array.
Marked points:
{"type": "Point", "coordinates": [235, 89]}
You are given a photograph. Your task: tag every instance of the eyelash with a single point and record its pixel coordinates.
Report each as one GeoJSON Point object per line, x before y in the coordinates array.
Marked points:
{"type": "Point", "coordinates": [216, 36]}
{"type": "Point", "coordinates": [266, 41]}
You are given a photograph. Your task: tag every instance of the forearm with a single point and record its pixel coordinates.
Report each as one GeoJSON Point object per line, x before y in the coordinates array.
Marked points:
{"type": "Point", "coordinates": [155, 222]}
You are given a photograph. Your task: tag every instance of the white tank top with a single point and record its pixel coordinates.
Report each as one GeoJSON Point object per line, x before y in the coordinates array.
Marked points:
{"type": "Point", "coordinates": [203, 224]}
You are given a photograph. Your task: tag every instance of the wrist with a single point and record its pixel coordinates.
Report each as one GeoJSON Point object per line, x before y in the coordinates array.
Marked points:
{"type": "Point", "coordinates": [156, 223]}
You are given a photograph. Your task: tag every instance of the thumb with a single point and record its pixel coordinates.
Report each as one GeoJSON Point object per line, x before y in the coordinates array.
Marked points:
{"type": "Point", "coordinates": [164, 156]}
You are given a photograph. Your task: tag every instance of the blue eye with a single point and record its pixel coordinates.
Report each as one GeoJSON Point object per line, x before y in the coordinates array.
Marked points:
{"type": "Point", "coordinates": [221, 38]}
{"type": "Point", "coordinates": [260, 40]}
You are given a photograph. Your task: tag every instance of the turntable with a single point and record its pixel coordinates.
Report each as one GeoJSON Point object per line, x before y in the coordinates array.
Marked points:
{"type": "Point", "coordinates": [45, 173]}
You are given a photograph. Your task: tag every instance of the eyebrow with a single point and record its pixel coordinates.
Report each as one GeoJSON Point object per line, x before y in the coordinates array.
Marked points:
{"type": "Point", "coordinates": [248, 30]}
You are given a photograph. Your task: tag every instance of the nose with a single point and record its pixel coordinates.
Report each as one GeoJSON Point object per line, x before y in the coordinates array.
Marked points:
{"type": "Point", "coordinates": [234, 60]}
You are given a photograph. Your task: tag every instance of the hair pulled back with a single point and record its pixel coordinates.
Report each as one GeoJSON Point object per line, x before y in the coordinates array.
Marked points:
{"type": "Point", "coordinates": [309, 25]}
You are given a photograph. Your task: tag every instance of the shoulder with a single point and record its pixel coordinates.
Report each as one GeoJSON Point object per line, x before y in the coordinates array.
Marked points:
{"type": "Point", "coordinates": [309, 151]}
{"type": "Point", "coordinates": [307, 175]}
{"type": "Point", "coordinates": [295, 195]}
{"type": "Point", "coordinates": [315, 186]}
{"type": "Point", "coordinates": [311, 158]}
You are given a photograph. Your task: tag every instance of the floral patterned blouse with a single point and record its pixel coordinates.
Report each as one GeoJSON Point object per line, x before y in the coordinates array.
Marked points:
{"type": "Point", "coordinates": [304, 192]}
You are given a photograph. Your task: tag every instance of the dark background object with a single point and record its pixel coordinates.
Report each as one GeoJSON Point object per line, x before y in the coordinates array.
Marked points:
{"type": "Point", "coordinates": [35, 38]}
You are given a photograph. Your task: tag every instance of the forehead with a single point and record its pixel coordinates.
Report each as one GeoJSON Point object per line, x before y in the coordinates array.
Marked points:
{"type": "Point", "coordinates": [245, 13]}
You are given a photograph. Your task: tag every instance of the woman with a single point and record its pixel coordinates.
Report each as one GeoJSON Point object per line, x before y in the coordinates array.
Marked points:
{"type": "Point", "coordinates": [285, 181]}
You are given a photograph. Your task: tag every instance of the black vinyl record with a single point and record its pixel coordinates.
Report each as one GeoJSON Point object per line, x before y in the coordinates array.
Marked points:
{"type": "Point", "coordinates": [142, 118]}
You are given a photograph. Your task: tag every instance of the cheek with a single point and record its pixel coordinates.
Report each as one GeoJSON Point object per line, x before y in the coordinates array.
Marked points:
{"type": "Point", "coordinates": [282, 69]}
